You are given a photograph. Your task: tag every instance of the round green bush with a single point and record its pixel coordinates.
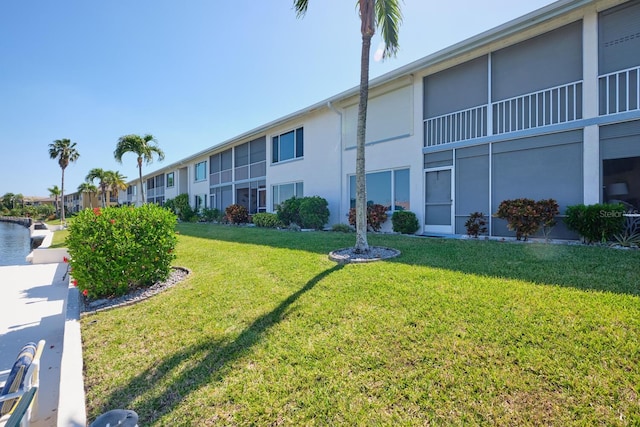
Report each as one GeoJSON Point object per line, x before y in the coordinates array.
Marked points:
{"type": "Point", "coordinates": [404, 222]}
{"type": "Point", "coordinates": [289, 211]}
{"type": "Point", "coordinates": [313, 212]}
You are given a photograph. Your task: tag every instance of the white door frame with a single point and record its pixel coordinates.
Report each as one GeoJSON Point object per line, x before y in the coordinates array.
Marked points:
{"type": "Point", "coordinates": [440, 229]}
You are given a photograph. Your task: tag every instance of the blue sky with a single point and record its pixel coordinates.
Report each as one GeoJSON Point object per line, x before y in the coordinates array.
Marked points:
{"type": "Point", "coordinates": [192, 73]}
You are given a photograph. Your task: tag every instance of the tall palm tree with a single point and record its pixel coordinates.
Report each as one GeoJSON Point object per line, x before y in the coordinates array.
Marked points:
{"type": "Point", "coordinates": [145, 147]}
{"type": "Point", "coordinates": [55, 193]}
{"type": "Point", "coordinates": [385, 15]}
{"type": "Point", "coordinates": [116, 182]}
{"type": "Point", "coordinates": [90, 189]}
{"type": "Point", "coordinates": [65, 151]}
{"type": "Point", "coordinates": [101, 176]}
{"type": "Point", "coordinates": [7, 199]}
{"type": "Point", "coordinates": [18, 198]}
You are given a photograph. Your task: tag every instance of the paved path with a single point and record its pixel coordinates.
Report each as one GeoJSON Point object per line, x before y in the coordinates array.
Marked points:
{"type": "Point", "coordinates": [33, 306]}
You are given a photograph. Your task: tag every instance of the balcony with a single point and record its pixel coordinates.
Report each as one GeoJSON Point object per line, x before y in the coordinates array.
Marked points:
{"type": "Point", "coordinates": [619, 91]}
{"type": "Point", "coordinates": [547, 107]}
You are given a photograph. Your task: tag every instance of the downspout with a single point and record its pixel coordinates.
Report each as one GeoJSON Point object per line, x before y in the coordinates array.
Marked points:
{"type": "Point", "coordinates": [332, 108]}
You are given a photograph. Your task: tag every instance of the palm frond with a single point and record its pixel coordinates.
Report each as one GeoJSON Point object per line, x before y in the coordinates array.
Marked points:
{"type": "Point", "coordinates": [388, 20]}
{"type": "Point", "coordinates": [301, 7]}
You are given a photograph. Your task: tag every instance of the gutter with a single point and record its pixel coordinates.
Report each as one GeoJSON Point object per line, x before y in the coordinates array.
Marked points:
{"type": "Point", "coordinates": [339, 113]}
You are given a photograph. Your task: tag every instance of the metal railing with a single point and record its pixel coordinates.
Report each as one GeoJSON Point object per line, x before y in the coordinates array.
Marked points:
{"type": "Point", "coordinates": [458, 126]}
{"type": "Point", "coordinates": [546, 107]}
{"type": "Point", "coordinates": [619, 91]}
{"type": "Point", "coordinates": [555, 105]}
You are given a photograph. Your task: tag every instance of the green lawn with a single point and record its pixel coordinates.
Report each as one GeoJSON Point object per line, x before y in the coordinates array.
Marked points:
{"type": "Point", "coordinates": [268, 331]}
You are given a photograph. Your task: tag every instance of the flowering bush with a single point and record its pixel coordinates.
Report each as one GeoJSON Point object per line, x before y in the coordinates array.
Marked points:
{"type": "Point", "coordinates": [114, 250]}
{"type": "Point", "coordinates": [476, 224]}
{"type": "Point", "coordinates": [237, 214]}
{"type": "Point", "coordinates": [526, 216]}
{"type": "Point", "coordinates": [376, 216]}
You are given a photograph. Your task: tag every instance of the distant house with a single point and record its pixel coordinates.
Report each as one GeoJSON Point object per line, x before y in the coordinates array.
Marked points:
{"type": "Point", "coordinates": [544, 106]}
{"type": "Point", "coordinates": [75, 202]}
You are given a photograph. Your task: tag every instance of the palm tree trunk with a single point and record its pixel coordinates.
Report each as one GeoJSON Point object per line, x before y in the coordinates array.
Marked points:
{"type": "Point", "coordinates": [141, 198]}
{"type": "Point", "coordinates": [367, 29]}
{"type": "Point", "coordinates": [62, 197]}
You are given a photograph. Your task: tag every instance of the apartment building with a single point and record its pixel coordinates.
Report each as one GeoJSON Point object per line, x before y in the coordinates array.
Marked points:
{"type": "Point", "coordinates": [544, 106]}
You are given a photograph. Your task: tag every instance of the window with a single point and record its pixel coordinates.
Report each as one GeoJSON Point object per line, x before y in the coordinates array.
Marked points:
{"type": "Point", "coordinates": [383, 188]}
{"type": "Point", "coordinates": [201, 171]}
{"type": "Point", "coordinates": [200, 202]}
{"type": "Point", "coordinates": [220, 167]}
{"type": "Point", "coordinates": [170, 179]}
{"type": "Point", "coordinates": [285, 191]}
{"type": "Point", "coordinates": [288, 146]}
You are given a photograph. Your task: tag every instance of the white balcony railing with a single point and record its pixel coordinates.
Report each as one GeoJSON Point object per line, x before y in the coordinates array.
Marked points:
{"type": "Point", "coordinates": [458, 126]}
{"type": "Point", "coordinates": [551, 106]}
{"type": "Point", "coordinates": [620, 91]}
{"type": "Point", "coordinates": [555, 105]}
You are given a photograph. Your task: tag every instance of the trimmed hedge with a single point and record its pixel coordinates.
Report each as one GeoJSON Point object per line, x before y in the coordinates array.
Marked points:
{"type": "Point", "coordinates": [266, 220]}
{"type": "Point", "coordinates": [596, 223]}
{"type": "Point", "coordinates": [114, 250]}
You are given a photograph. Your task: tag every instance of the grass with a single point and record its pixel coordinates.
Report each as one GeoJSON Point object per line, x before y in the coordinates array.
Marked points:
{"type": "Point", "coordinates": [268, 331]}
{"type": "Point", "coordinates": [59, 239]}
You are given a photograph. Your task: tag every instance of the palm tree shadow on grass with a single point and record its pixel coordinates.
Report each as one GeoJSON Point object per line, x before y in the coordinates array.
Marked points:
{"type": "Point", "coordinates": [152, 395]}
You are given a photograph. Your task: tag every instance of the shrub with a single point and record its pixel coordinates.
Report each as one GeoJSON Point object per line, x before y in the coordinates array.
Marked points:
{"type": "Point", "coordinates": [404, 222]}
{"type": "Point", "coordinates": [211, 215]}
{"type": "Point", "coordinates": [181, 207]}
{"type": "Point", "coordinates": [526, 216]}
{"type": "Point", "coordinates": [267, 220]}
{"type": "Point", "coordinates": [342, 228]}
{"type": "Point", "coordinates": [521, 215]}
{"type": "Point", "coordinates": [289, 211]}
{"type": "Point", "coordinates": [313, 212]}
{"type": "Point", "coordinates": [630, 235]}
{"type": "Point", "coordinates": [548, 210]}
{"type": "Point", "coordinates": [114, 250]}
{"type": "Point", "coordinates": [595, 223]}
{"type": "Point", "coordinates": [237, 214]}
{"type": "Point", "coordinates": [476, 224]}
{"type": "Point", "coordinates": [376, 216]}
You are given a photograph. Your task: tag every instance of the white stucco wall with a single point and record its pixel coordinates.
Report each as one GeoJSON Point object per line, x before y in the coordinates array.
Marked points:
{"type": "Point", "coordinates": [403, 152]}
{"type": "Point", "coordinates": [319, 169]}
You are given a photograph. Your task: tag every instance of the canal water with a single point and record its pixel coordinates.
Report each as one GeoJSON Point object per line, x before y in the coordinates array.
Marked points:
{"type": "Point", "coordinates": [15, 244]}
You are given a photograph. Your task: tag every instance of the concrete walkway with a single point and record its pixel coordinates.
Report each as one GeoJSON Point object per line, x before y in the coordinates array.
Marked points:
{"type": "Point", "coordinates": [37, 303]}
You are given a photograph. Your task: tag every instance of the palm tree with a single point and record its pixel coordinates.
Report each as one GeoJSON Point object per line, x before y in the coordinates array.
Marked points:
{"type": "Point", "coordinates": [101, 176]}
{"type": "Point", "coordinates": [143, 147]}
{"type": "Point", "coordinates": [386, 15]}
{"type": "Point", "coordinates": [55, 193]}
{"type": "Point", "coordinates": [7, 199]}
{"type": "Point", "coordinates": [116, 182]}
{"type": "Point", "coordinates": [65, 151]}
{"type": "Point", "coordinates": [19, 198]}
{"type": "Point", "coordinates": [90, 189]}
